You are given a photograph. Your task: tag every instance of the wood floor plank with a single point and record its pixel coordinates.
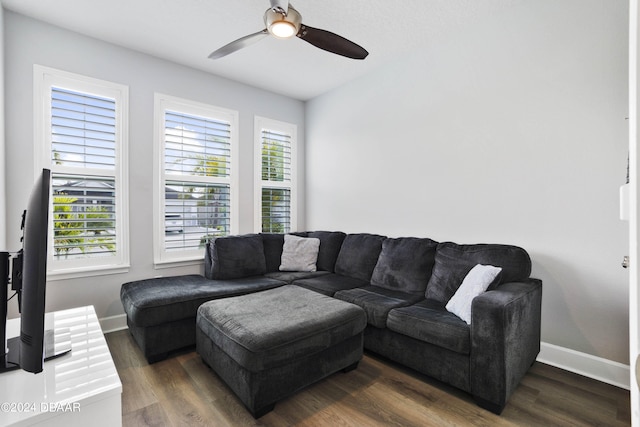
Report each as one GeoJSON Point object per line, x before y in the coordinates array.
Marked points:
{"type": "Point", "coordinates": [177, 394]}
{"type": "Point", "coordinates": [182, 390]}
{"type": "Point", "coordinates": [124, 351]}
{"type": "Point", "coordinates": [137, 393]}
{"type": "Point", "coordinates": [151, 415]}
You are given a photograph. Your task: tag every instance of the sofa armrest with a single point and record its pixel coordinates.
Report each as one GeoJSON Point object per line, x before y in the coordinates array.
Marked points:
{"type": "Point", "coordinates": [505, 340]}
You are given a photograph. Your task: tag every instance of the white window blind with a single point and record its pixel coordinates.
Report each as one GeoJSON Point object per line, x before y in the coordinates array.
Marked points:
{"type": "Point", "coordinates": [276, 148]}
{"type": "Point", "coordinates": [276, 156]}
{"type": "Point", "coordinates": [194, 213]}
{"type": "Point", "coordinates": [197, 146]}
{"type": "Point", "coordinates": [83, 132]}
{"type": "Point", "coordinates": [196, 170]}
{"type": "Point", "coordinates": [84, 220]}
{"type": "Point", "coordinates": [83, 136]}
{"type": "Point", "coordinates": [276, 210]}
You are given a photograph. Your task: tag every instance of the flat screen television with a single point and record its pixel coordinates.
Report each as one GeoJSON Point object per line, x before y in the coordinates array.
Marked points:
{"type": "Point", "coordinates": [29, 279]}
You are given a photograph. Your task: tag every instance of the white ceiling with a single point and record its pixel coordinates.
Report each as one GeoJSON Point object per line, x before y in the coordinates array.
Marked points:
{"type": "Point", "coordinates": [186, 31]}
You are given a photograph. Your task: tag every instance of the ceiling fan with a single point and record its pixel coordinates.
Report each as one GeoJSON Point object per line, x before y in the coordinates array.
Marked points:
{"type": "Point", "coordinates": [283, 21]}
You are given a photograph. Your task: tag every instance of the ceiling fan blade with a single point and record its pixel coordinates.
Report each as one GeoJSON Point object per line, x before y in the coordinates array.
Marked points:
{"type": "Point", "coordinates": [239, 44]}
{"type": "Point", "coordinates": [280, 6]}
{"type": "Point", "coordinates": [331, 42]}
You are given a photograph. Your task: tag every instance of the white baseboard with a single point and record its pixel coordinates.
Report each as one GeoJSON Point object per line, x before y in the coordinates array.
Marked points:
{"type": "Point", "coordinates": [584, 364]}
{"type": "Point", "coordinates": [600, 369]}
{"type": "Point", "coordinates": [113, 323]}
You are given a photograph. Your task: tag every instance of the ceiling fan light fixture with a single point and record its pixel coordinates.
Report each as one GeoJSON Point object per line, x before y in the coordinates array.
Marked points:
{"type": "Point", "coordinates": [283, 29]}
{"type": "Point", "coordinates": [285, 25]}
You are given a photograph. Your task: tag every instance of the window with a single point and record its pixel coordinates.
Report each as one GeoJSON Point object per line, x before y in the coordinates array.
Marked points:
{"type": "Point", "coordinates": [276, 165]}
{"type": "Point", "coordinates": [195, 176]}
{"type": "Point", "coordinates": [81, 126]}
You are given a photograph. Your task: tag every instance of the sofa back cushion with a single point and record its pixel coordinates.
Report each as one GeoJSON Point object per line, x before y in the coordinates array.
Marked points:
{"type": "Point", "coordinates": [453, 262]}
{"type": "Point", "coordinates": [273, 244]}
{"type": "Point", "coordinates": [234, 257]}
{"type": "Point", "coordinates": [405, 264]}
{"type": "Point", "coordinates": [358, 255]}
{"type": "Point", "coordinates": [330, 244]}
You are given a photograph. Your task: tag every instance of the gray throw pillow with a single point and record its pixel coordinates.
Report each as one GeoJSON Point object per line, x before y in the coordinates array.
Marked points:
{"type": "Point", "coordinates": [299, 253]}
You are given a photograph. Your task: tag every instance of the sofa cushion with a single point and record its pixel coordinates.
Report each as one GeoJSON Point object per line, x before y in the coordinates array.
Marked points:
{"type": "Point", "coordinates": [430, 322]}
{"type": "Point", "coordinates": [290, 276]}
{"type": "Point", "coordinates": [329, 284]}
{"type": "Point", "coordinates": [358, 255]}
{"type": "Point", "coordinates": [166, 299]}
{"type": "Point", "coordinates": [234, 257]}
{"type": "Point", "coordinates": [454, 261]}
{"type": "Point", "coordinates": [377, 302]}
{"type": "Point", "coordinates": [299, 253]}
{"type": "Point", "coordinates": [330, 244]}
{"type": "Point", "coordinates": [405, 264]}
{"type": "Point", "coordinates": [272, 243]}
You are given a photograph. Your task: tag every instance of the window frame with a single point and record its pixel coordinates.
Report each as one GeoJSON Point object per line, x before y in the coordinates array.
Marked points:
{"type": "Point", "coordinates": [163, 103]}
{"type": "Point", "coordinates": [264, 123]}
{"type": "Point", "coordinates": [45, 78]}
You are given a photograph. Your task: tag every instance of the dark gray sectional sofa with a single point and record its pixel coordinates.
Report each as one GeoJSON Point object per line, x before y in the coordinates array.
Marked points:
{"type": "Point", "coordinates": [403, 285]}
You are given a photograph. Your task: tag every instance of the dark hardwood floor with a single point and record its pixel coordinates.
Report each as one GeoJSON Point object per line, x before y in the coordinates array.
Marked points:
{"type": "Point", "coordinates": [183, 391]}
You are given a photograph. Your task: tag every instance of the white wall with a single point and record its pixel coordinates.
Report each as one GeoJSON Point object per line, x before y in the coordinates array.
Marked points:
{"type": "Point", "coordinates": [29, 42]}
{"type": "Point", "coordinates": [3, 216]}
{"type": "Point", "coordinates": [510, 130]}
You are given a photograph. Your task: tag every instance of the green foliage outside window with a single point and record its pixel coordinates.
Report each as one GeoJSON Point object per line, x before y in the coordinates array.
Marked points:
{"type": "Point", "coordinates": [77, 230]}
{"type": "Point", "coordinates": [67, 229]}
{"type": "Point", "coordinates": [208, 165]}
{"type": "Point", "coordinates": [273, 167]}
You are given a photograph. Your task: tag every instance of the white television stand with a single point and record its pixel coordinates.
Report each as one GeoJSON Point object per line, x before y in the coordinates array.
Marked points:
{"type": "Point", "coordinates": [81, 388]}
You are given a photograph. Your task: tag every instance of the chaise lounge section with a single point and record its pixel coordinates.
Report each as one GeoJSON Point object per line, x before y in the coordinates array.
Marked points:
{"type": "Point", "coordinates": [161, 312]}
{"type": "Point", "coordinates": [415, 293]}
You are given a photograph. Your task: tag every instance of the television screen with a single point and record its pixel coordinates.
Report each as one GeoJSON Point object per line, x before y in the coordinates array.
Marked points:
{"type": "Point", "coordinates": [29, 279]}
{"type": "Point", "coordinates": [34, 275]}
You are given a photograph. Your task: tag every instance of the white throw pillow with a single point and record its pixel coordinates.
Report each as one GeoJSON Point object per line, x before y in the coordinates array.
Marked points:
{"type": "Point", "coordinates": [299, 253]}
{"type": "Point", "coordinates": [476, 282]}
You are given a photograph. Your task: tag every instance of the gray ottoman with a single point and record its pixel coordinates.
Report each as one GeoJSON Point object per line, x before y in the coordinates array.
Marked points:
{"type": "Point", "coordinates": [270, 344]}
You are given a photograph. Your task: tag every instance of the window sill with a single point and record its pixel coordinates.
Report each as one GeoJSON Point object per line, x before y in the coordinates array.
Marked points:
{"type": "Point", "coordinates": [75, 273]}
{"type": "Point", "coordinates": [159, 265]}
